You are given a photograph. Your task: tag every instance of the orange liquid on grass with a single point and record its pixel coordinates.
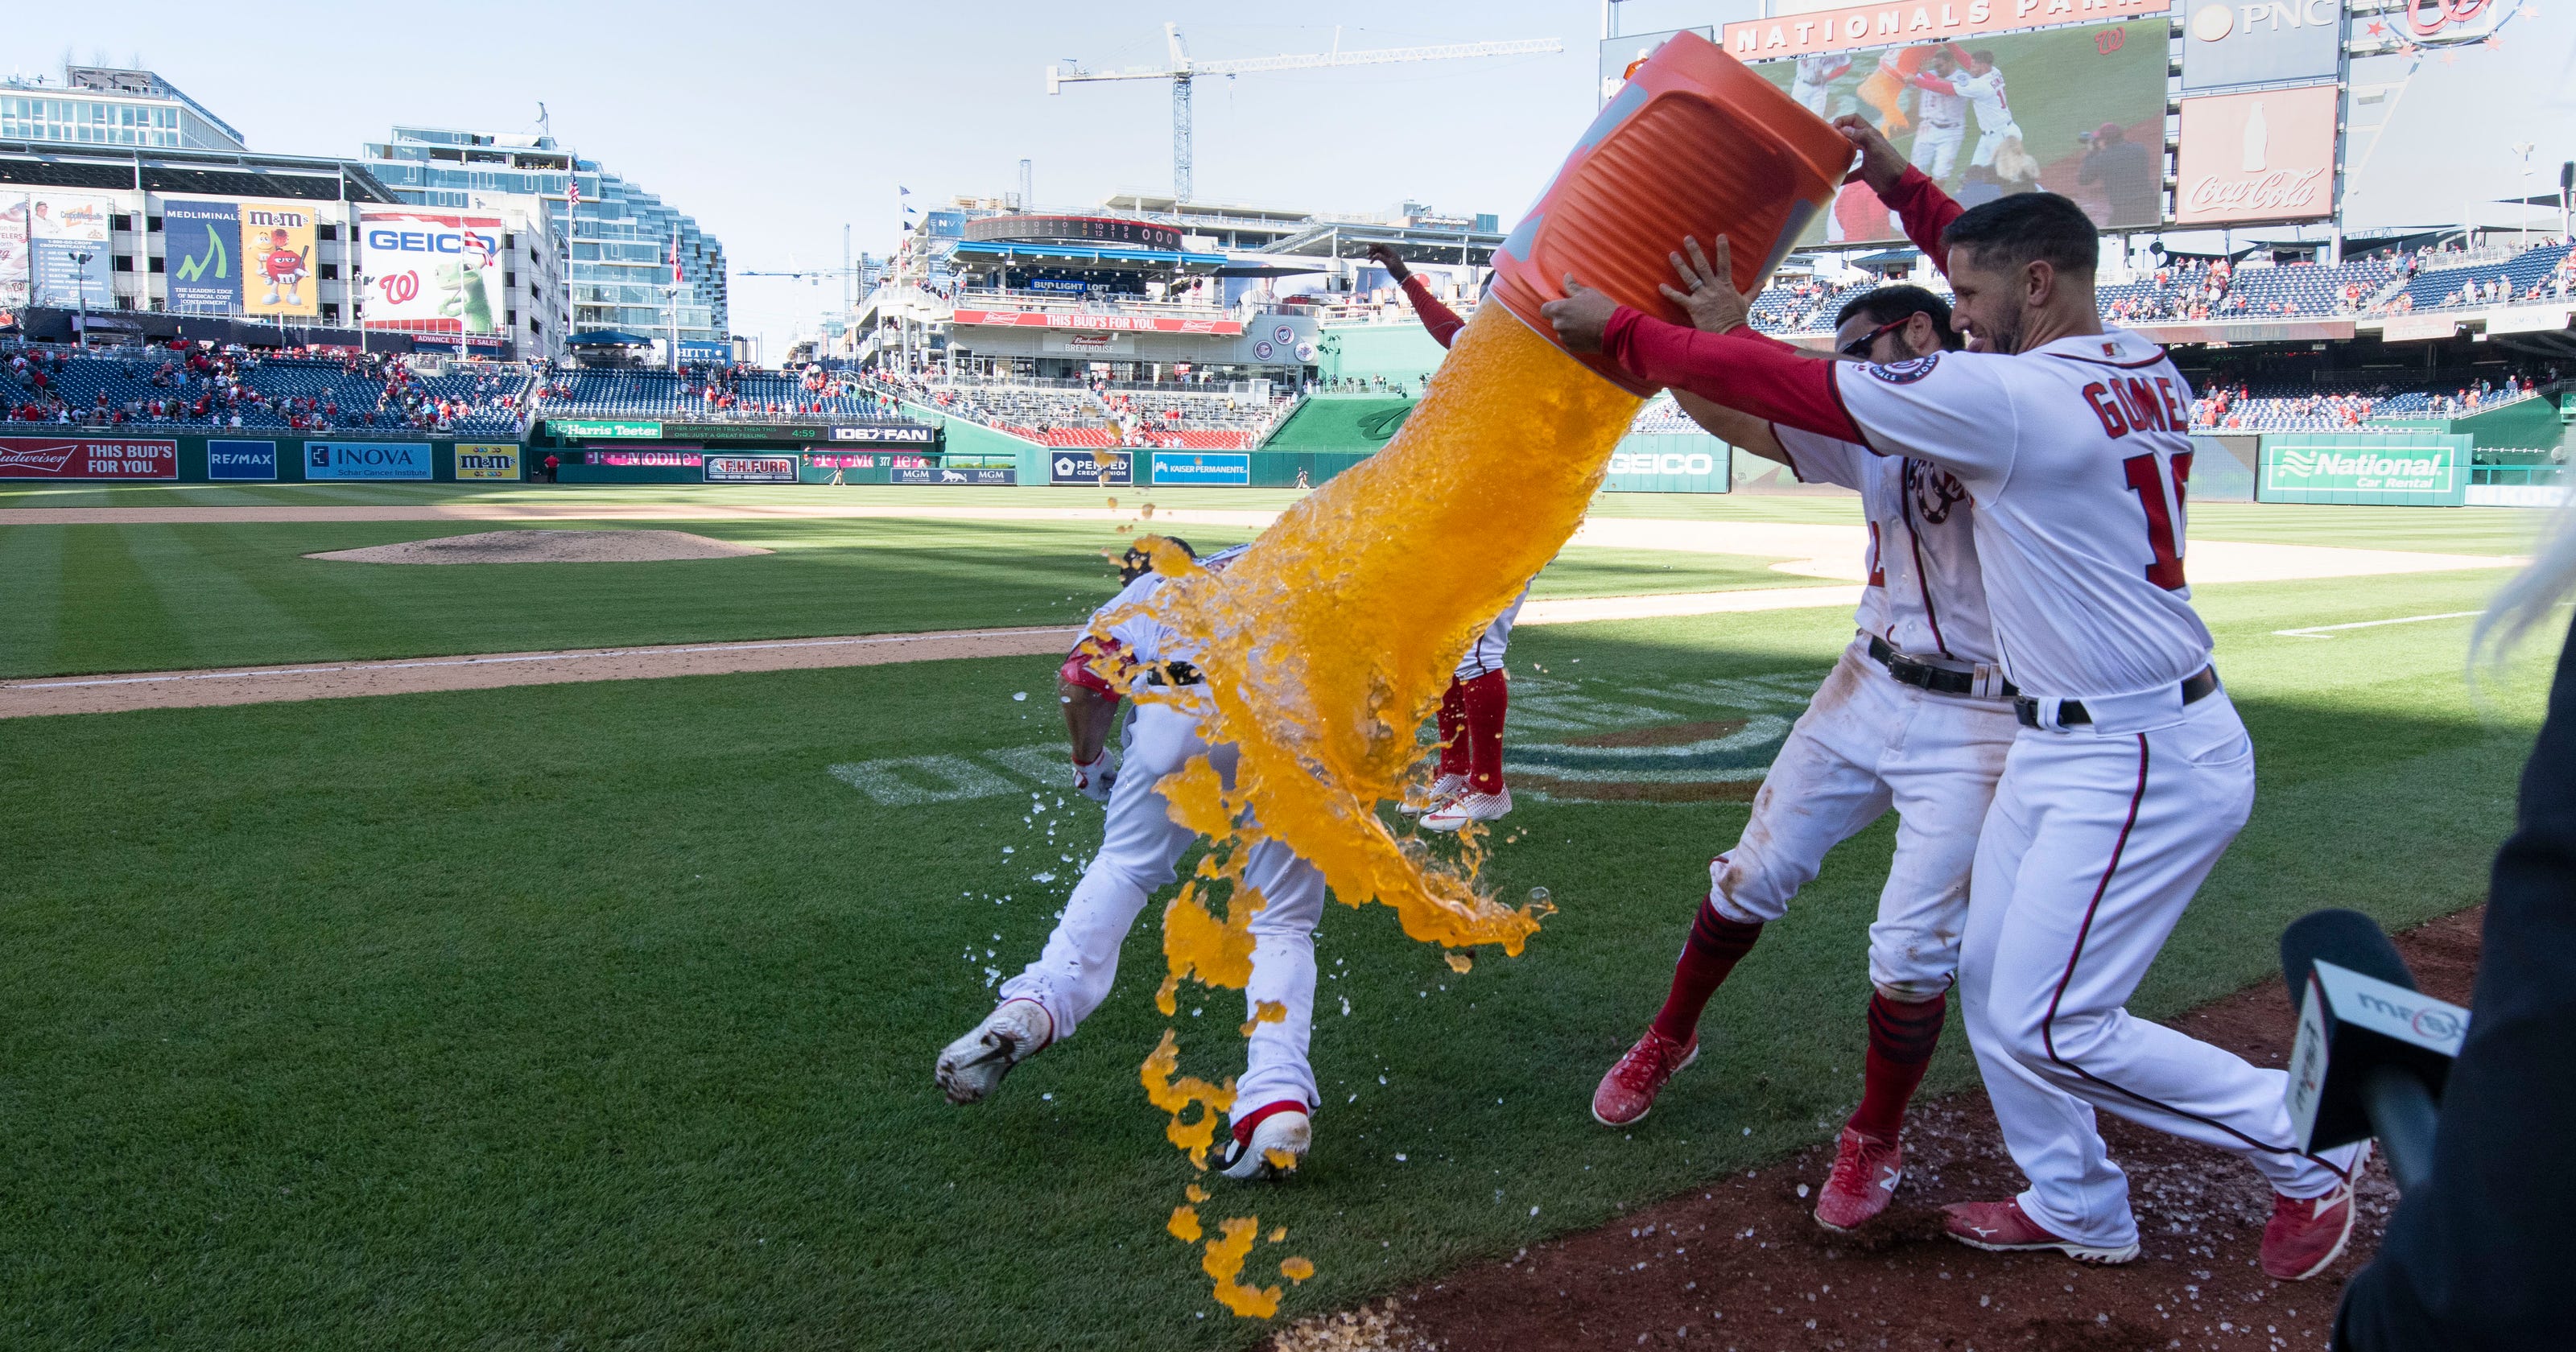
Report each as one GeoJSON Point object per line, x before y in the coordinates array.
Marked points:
{"type": "Point", "coordinates": [1326, 646]}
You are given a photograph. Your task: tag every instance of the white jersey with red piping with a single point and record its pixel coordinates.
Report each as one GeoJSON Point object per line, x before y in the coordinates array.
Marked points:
{"type": "Point", "coordinates": [1926, 596]}
{"type": "Point", "coordinates": [2075, 454]}
{"type": "Point", "coordinates": [1134, 626]}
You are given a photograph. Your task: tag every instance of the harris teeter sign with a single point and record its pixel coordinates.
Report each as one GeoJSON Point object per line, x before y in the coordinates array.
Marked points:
{"type": "Point", "coordinates": [593, 429]}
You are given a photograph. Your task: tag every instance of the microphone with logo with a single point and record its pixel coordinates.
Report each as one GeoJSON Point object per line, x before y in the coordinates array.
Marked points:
{"type": "Point", "coordinates": [2372, 1052]}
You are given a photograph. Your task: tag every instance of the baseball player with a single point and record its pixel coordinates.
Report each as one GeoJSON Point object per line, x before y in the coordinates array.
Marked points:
{"type": "Point", "coordinates": [2131, 771]}
{"type": "Point", "coordinates": [1982, 85]}
{"type": "Point", "coordinates": [1469, 786]}
{"type": "Point", "coordinates": [1942, 114]}
{"type": "Point", "coordinates": [1813, 86]}
{"type": "Point", "coordinates": [1275, 1097]}
{"type": "Point", "coordinates": [1915, 716]}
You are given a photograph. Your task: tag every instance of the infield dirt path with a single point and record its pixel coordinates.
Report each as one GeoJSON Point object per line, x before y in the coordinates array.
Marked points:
{"type": "Point", "coordinates": [1741, 1263]}
{"type": "Point", "coordinates": [115, 693]}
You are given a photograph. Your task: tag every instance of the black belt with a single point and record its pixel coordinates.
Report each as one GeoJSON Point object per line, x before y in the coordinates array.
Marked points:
{"type": "Point", "coordinates": [1939, 680]}
{"type": "Point", "coordinates": [2196, 687]}
{"type": "Point", "coordinates": [1174, 673]}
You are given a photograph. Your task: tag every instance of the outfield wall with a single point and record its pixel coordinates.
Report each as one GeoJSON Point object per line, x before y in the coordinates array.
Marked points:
{"type": "Point", "coordinates": [39, 454]}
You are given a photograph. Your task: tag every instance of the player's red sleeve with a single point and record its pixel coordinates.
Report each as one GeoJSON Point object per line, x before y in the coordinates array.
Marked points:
{"type": "Point", "coordinates": [1926, 212]}
{"type": "Point", "coordinates": [1739, 368]}
{"type": "Point", "coordinates": [1443, 322]}
{"type": "Point", "coordinates": [1077, 668]}
{"type": "Point", "coordinates": [1934, 83]}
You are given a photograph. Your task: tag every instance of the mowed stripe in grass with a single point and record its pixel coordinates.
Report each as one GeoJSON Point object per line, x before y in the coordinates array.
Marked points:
{"type": "Point", "coordinates": [157, 597]}
{"type": "Point", "coordinates": [593, 1015]}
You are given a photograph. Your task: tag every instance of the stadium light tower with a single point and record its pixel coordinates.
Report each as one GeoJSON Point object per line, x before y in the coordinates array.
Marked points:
{"type": "Point", "coordinates": [1183, 69]}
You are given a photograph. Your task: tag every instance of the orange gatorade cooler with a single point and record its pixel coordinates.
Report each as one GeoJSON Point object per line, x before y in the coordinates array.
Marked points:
{"type": "Point", "coordinates": [1695, 144]}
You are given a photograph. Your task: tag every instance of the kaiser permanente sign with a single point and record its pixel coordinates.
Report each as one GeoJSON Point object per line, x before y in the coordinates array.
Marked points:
{"type": "Point", "coordinates": [1880, 25]}
{"type": "Point", "coordinates": [2426, 471]}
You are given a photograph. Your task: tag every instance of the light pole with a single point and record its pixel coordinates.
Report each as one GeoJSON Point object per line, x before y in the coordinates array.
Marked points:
{"type": "Point", "coordinates": [2524, 149]}
{"type": "Point", "coordinates": [80, 278]}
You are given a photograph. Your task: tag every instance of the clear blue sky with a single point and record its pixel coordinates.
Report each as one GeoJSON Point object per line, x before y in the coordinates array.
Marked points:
{"type": "Point", "coordinates": [773, 131]}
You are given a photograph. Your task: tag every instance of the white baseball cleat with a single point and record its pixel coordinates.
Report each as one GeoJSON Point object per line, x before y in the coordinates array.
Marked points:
{"type": "Point", "coordinates": [1268, 1143]}
{"type": "Point", "coordinates": [1441, 791]}
{"type": "Point", "coordinates": [974, 1065]}
{"type": "Point", "coordinates": [1465, 808]}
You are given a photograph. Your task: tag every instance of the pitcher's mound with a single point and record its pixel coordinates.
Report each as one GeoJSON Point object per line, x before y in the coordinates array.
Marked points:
{"type": "Point", "coordinates": [549, 546]}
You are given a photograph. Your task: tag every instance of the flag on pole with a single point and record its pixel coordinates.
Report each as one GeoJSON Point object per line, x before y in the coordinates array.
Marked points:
{"type": "Point", "coordinates": [675, 255]}
{"type": "Point", "coordinates": [572, 192]}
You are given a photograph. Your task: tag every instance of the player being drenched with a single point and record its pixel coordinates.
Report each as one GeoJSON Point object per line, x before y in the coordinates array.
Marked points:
{"type": "Point", "coordinates": [1139, 843]}
{"type": "Point", "coordinates": [2131, 771]}
{"type": "Point", "coordinates": [1915, 717]}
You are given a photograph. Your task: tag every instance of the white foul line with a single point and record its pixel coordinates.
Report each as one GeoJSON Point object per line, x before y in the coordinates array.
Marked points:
{"type": "Point", "coordinates": [2323, 630]}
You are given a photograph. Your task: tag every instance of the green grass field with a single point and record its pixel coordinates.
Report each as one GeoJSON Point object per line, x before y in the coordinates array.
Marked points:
{"type": "Point", "coordinates": [601, 1016]}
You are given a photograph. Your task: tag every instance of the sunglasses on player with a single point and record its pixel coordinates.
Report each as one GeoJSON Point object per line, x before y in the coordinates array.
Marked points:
{"type": "Point", "coordinates": [1858, 348]}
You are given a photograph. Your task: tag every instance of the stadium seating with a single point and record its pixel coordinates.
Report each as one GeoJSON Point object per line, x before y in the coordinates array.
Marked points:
{"type": "Point", "coordinates": [2285, 408]}
{"type": "Point", "coordinates": [1173, 417]}
{"type": "Point", "coordinates": [163, 388]}
{"type": "Point", "coordinates": [2527, 275]}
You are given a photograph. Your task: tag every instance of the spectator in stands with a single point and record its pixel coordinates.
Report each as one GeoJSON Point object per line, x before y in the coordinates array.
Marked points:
{"type": "Point", "coordinates": [2126, 174]}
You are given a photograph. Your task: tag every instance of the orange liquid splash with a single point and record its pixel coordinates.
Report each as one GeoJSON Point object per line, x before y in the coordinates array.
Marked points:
{"type": "Point", "coordinates": [1327, 644]}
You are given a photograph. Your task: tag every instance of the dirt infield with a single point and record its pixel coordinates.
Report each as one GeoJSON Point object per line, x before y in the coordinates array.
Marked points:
{"type": "Point", "coordinates": [549, 546]}
{"type": "Point", "coordinates": [1742, 1264]}
{"type": "Point", "coordinates": [118, 692]}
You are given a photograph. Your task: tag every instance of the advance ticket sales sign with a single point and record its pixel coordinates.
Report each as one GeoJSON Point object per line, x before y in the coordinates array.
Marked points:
{"type": "Point", "coordinates": [87, 458]}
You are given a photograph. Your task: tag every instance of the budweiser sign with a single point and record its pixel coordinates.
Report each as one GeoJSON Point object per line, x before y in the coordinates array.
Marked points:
{"type": "Point", "coordinates": [87, 458]}
{"type": "Point", "coordinates": [1031, 319]}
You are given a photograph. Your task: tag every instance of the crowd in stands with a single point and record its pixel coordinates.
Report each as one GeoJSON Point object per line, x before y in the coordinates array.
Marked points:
{"type": "Point", "coordinates": [197, 385]}
{"type": "Point", "coordinates": [2280, 408]}
{"type": "Point", "coordinates": [1167, 414]}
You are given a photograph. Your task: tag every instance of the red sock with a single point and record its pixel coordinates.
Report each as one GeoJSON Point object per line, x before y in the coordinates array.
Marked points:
{"type": "Point", "coordinates": [1488, 699]}
{"type": "Point", "coordinates": [1453, 730]}
{"type": "Point", "coordinates": [1901, 1039]}
{"type": "Point", "coordinates": [1716, 945]}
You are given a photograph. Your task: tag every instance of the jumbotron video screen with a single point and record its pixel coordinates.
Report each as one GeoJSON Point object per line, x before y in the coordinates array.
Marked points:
{"type": "Point", "coordinates": [2078, 111]}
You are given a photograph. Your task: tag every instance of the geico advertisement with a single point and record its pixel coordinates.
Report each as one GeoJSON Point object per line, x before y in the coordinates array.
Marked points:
{"type": "Point", "coordinates": [433, 273]}
{"type": "Point", "coordinates": [1663, 462]}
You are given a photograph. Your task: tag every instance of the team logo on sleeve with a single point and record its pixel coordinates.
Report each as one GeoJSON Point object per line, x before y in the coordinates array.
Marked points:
{"type": "Point", "coordinates": [1908, 371]}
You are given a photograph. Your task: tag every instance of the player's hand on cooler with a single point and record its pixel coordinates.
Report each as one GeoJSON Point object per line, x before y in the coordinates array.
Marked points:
{"type": "Point", "coordinates": [1880, 165]}
{"type": "Point", "coordinates": [1707, 293]}
{"type": "Point", "coordinates": [1384, 256]}
{"type": "Point", "coordinates": [1096, 779]}
{"type": "Point", "coordinates": [1582, 318]}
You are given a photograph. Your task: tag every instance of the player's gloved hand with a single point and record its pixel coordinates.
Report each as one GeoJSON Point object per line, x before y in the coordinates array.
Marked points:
{"type": "Point", "coordinates": [1093, 781]}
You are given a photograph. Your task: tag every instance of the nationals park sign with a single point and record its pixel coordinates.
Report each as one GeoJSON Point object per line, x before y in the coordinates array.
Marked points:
{"type": "Point", "coordinates": [1900, 24]}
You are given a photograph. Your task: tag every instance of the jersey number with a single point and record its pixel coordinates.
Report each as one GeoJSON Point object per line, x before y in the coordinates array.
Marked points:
{"type": "Point", "coordinates": [2166, 571]}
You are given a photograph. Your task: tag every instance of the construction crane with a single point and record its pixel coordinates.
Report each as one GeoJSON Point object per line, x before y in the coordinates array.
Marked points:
{"type": "Point", "coordinates": [1183, 69]}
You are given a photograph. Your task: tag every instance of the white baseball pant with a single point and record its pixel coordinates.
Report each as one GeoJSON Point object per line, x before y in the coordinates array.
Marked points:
{"type": "Point", "coordinates": [1990, 140]}
{"type": "Point", "coordinates": [1815, 97]}
{"type": "Point", "coordinates": [2098, 838]}
{"type": "Point", "coordinates": [1139, 845]}
{"type": "Point", "coordinates": [1868, 742]}
{"type": "Point", "coordinates": [1936, 147]}
{"type": "Point", "coordinates": [1486, 653]}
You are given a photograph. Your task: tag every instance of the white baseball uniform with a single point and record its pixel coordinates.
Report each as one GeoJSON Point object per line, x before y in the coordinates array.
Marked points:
{"type": "Point", "coordinates": [1941, 126]}
{"type": "Point", "coordinates": [1816, 75]}
{"type": "Point", "coordinates": [1139, 845]}
{"type": "Point", "coordinates": [2102, 828]}
{"type": "Point", "coordinates": [1869, 741]}
{"type": "Point", "coordinates": [1985, 93]}
{"type": "Point", "coordinates": [1486, 653]}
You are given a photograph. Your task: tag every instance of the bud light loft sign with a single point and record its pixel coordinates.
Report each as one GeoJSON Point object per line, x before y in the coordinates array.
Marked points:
{"type": "Point", "coordinates": [366, 460]}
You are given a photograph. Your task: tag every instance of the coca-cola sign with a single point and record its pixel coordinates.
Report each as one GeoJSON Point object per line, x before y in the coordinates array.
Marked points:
{"type": "Point", "coordinates": [2266, 156]}
{"type": "Point", "coordinates": [2282, 192]}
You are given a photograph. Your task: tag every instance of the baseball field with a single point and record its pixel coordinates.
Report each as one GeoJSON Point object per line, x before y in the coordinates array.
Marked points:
{"type": "Point", "coordinates": [601, 1013]}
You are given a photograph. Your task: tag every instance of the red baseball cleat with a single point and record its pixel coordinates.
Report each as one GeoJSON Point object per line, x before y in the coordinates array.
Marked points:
{"type": "Point", "coordinates": [2307, 1234]}
{"type": "Point", "coordinates": [2000, 1227]}
{"type": "Point", "coordinates": [1630, 1087]}
{"type": "Point", "coordinates": [1866, 1172]}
